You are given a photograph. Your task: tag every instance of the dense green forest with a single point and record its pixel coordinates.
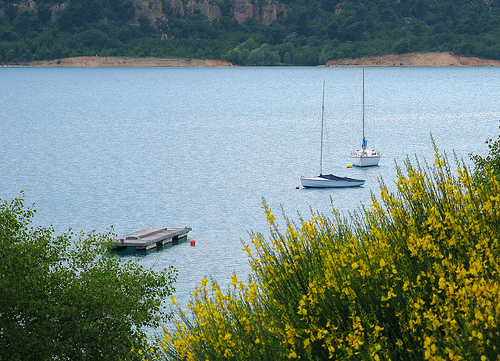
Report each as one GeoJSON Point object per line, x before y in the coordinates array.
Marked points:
{"type": "Point", "coordinates": [310, 32]}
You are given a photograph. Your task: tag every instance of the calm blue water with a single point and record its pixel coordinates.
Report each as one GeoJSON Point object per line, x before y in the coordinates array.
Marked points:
{"type": "Point", "coordinates": [140, 147]}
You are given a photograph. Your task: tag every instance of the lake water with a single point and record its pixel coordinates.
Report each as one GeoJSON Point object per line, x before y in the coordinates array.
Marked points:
{"type": "Point", "coordinates": [172, 147]}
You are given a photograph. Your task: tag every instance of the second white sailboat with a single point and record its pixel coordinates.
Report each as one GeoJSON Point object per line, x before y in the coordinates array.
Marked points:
{"type": "Point", "coordinates": [365, 157]}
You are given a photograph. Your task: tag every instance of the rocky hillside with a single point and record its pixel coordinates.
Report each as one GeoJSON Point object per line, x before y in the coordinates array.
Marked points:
{"type": "Point", "coordinates": [247, 32]}
{"type": "Point", "coordinates": [263, 11]}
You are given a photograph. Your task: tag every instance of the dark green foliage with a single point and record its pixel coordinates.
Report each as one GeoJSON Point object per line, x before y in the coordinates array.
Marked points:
{"type": "Point", "coordinates": [318, 30]}
{"type": "Point", "coordinates": [491, 162]}
{"type": "Point", "coordinates": [65, 298]}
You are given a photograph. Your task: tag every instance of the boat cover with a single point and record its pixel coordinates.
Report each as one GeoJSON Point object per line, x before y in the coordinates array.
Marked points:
{"type": "Point", "coordinates": [337, 178]}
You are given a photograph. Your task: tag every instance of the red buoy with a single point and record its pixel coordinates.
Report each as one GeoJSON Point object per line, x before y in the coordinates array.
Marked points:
{"type": "Point", "coordinates": [297, 187]}
{"type": "Point", "coordinates": [192, 242]}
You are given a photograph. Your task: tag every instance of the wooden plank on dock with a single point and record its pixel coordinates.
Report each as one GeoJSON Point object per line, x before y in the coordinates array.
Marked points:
{"type": "Point", "coordinates": [151, 238]}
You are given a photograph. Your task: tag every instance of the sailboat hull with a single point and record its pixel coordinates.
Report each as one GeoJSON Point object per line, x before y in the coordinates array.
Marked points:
{"type": "Point", "coordinates": [365, 158]}
{"type": "Point", "coordinates": [330, 181]}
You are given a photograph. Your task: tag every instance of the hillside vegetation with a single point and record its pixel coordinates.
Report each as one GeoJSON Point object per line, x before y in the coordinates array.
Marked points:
{"type": "Point", "coordinates": [247, 32]}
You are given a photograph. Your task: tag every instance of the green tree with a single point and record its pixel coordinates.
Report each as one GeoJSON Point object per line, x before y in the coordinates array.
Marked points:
{"type": "Point", "coordinates": [26, 22]}
{"type": "Point", "coordinates": [11, 11]}
{"type": "Point", "coordinates": [144, 21]}
{"type": "Point", "coordinates": [44, 13]}
{"type": "Point", "coordinates": [256, 57]}
{"type": "Point", "coordinates": [490, 162]}
{"type": "Point", "coordinates": [66, 298]}
{"type": "Point", "coordinates": [287, 58]}
{"type": "Point", "coordinates": [402, 46]}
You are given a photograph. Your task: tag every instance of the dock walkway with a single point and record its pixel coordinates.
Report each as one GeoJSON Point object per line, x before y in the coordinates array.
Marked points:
{"type": "Point", "coordinates": [151, 238]}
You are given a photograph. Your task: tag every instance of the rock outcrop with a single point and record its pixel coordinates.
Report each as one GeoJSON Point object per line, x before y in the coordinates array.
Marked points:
{"type": "Point", "coordinates": [209, 10]}
{"type": "Point", "coordinates": [264, 11]}
{"type": "Point", "coordinates": [152, 9]}
{"type": "Point", "coordinates": [26, 5]}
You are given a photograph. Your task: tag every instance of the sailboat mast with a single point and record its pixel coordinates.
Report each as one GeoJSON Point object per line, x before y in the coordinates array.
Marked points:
{"type": "Point", "coordinates": [322, 126]}
{"type": "Point", "coordinates": [364, 142]}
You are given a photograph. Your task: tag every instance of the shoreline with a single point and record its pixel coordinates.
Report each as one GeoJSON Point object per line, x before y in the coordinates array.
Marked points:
{"type": "Point", "coordinates": [429, 59]}
{"type": "Point", "coordinates": [443, 59]}
{"type": "Point", "coordinates": [119, 62]}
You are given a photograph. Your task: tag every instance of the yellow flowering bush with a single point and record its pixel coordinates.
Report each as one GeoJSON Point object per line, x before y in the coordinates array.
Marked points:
{"type": "Point", "coordinates": [413, 276]}
{"type": "Point", "coordinates": [224, 326]}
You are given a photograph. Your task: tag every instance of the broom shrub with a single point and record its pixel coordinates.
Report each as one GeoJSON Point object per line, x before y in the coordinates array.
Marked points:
{"type": "Point", "coordinates": [412, 276]}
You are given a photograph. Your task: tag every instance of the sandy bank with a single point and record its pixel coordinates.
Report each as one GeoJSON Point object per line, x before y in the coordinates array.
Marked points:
{"type": "Point", "coordinates": [108, 61]}
{"type": "Point", "coordinates": [415, 59]}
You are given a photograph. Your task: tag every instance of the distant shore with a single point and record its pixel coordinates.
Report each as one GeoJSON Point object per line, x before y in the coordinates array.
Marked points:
{"type": "Point", "coordinates": [400, 60]}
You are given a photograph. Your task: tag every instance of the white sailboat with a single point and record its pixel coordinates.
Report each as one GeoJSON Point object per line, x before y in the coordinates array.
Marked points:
{"type": "Point", "coordinates": [328, 180]}
{"type": "Point", "coordinates": [365, 157]}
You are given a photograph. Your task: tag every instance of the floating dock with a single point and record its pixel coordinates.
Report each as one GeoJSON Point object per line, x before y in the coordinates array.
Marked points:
{"type": "Point", "coordinates": [151, 238]}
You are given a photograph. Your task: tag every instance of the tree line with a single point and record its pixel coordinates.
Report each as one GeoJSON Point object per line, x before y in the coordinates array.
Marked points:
{"type": "Point", "coordinates": [311, 33]}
